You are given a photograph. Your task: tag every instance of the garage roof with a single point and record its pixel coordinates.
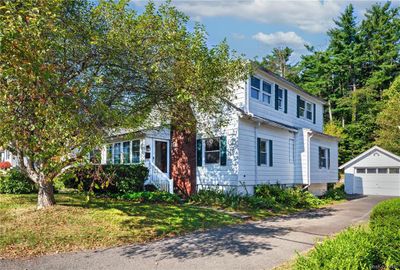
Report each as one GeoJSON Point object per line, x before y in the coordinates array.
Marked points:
{"type": "Point", "coordinates": [366, 153]}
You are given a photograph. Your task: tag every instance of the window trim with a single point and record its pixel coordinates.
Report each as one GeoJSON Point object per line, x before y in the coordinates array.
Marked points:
{"type": "Point", "coordinates": [265, 152]}
{"type": "Point", "coordinates": [262, 92]}
{"type": "Point", "coordinates": [304, 116]}
{"type": "Point", "coordinates": [212, 151]}
{"type": "Point", "coordinates": [327, 157]}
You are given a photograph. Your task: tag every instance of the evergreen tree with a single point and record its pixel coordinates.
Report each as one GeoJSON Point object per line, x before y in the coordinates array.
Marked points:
{"type": "Point", "coordinates": [278, 62]}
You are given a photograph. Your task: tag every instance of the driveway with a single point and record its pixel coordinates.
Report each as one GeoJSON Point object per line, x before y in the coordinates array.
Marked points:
{"type": "Point", "coordinates": [254, 245]}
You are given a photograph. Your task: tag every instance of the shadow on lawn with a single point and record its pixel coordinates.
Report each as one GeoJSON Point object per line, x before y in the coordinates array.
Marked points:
{"type": "Point", "coordinates": [239, 240]}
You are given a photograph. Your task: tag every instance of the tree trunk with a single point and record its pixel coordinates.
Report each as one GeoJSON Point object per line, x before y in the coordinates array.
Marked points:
{"type": "Point", "coordinates": [45, 194]}
{"type": "Point", "coordinates": [183, 150]}
{"type": "Point", "coordinates": [330, 111]}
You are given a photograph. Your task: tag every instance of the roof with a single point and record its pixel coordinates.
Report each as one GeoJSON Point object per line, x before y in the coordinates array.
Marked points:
{"type": "Point", "coordinates": [269, 122]}
{"type": "Point", "coordinates": [295, 86]}
{"type": "Point", "coordinates": [366, 153]}
{"type": "Point", "coordinates": [325, 135]}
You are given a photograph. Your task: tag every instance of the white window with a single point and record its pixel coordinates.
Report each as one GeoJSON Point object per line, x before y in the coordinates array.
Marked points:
{"type": "Point", "coordinates": [136, 151]}
{"type": "Point", "coordinates": [126, 151]}
{"type": "Point", "coordinates": [109, 154]}
{"type": "Point", "coordinates": [263, 152]}
{"type": "Point", "coordinates": [306, 109]}
{"type": "Point", "coordinates": [371, 170]}
{"type": "Point", "coordinates": [117, 153]}
{"type": "Point", "coordinates": [291, 151]}
{"type": "Point", "coordinates": [255, 87]}
{"type": "Point", "coordinates": [212, 151]}
{"type": "Point", "coordinates": [324, 158]}
{"type": "Point", "coordinates": [266, 92]}
{"type": "Point", "coordinates": [394, 170]}
{"type": "Point", "coordinates": [279, 98]}
{"type": "Point", "coordinates": [382, 170]}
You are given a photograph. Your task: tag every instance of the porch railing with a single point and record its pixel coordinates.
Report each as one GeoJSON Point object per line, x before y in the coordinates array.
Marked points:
{"type": "Point", "coordinates": [158, 178]}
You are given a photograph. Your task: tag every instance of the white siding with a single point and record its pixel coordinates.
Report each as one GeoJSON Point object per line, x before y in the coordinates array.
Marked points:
{"type": "Point", "coordinates": [221, 175]}
{"type": "Point", "coordinates": [323, 175]}
{"type": "Point", "coordinates": [250, 173]}
{"type": "Point", "coordinates": [290, 118]}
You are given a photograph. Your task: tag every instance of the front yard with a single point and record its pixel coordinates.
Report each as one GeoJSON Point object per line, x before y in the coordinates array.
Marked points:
{"type": "Point", "coordinates": [74, 225]}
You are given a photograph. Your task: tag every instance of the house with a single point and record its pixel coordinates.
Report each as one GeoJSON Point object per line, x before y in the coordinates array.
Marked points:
{"type": "Point", "coordinates": [274, 136]}
{"type": "Point", "coordinates": [374, 172]}
{"type": "Point", "coordinates": [7, 156]}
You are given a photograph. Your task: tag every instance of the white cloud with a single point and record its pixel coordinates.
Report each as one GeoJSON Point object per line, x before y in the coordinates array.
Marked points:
{"type": "Point", "coordinates": [281, 39]}
{"type": "Point", "coordinates": [308, 15]}
{"type": "Point", "coordinates": [238, 36]}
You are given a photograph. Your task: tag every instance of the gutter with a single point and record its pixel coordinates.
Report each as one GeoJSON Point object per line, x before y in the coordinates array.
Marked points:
{"type": "Point", "coordinates": [310, 134]}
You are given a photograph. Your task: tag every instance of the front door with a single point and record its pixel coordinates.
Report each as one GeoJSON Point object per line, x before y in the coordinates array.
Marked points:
{"type": "Point", "coordinates": [161, 155]}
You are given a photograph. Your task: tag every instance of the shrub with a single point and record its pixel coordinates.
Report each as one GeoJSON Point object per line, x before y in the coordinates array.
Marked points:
{"type": "Point", "coordinates": [385, 224]}
{"type": "Point", "coordinates": [107, 178]}
{"type": "Point", "coordinates": [288, 197]}
{"type": "Point", "coordinates": [15, 181]}
{"type": "Point", "coordinates": [219, 198]}
{"type": "Point", "coordinates": [335, 193]}
{"type": "Point", "coordinates": [351, 249]}
{"type": "Point", "coordinates": [151, 197]}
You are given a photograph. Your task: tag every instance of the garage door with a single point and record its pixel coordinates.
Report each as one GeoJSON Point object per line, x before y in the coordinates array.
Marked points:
{"type": "Point", "coordinates": [377, 181]}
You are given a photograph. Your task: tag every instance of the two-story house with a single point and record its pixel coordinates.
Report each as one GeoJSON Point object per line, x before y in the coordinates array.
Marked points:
{"type": "Point", "coordinates": [275, 136]}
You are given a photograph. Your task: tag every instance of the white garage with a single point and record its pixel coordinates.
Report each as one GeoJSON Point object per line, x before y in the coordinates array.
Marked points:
{"type": "Point", "coordinates": [374, 172]}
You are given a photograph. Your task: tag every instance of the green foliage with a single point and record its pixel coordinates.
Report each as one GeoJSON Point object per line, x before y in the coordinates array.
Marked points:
{"type": "Point", "coordinates": [377, 247]}
{"type": "Point", "coordinates": [14, 181]}
{"type": "Point", "coordinates": [361, 60]}
{"type": "Point", "coordinates": [335, 194]}
{"type": "Point", "coordinates": [290, 197]}
{"type": "Point", "coordinates": [351, 249]}
{"type": "Point", "coordinates": [278, 62]}
{"type": "Point", "coordinates": [107, 178]}
{"type": "Point", "coordinates": [385, 223]}
{"type": "Point", "coordinates": [266, 197]}
{"type": "Point", "coordinates": [151, 197]}
{"type": "Point", "coordinates": [388, 120]}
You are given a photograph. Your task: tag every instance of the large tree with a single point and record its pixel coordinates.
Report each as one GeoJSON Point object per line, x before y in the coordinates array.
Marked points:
{"type": "Point", "coordinates": [51, 109]}
{"type": "Point", "coordinates": [278, 61]}
{"type": "Point", "coordinates": [185, 82]}
{"type": "Point", "coordinates": [388, 120]}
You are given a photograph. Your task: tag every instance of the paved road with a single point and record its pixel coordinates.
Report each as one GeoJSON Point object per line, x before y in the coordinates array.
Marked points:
{"type": "Point", "coordinates": [254, 245]}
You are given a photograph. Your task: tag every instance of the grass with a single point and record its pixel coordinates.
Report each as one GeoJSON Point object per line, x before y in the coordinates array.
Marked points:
{"type": "Point", "coordinates": [74, 225]}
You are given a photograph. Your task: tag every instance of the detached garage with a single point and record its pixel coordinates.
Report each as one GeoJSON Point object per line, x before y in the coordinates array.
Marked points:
{"type": "Point", "coordinates": [374, 172]}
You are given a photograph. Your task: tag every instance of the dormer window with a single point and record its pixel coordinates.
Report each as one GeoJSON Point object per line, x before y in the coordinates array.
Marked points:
{"type": "Point", "coordinates": [305, 109]}
{"type": "Point", "coordinates": [267, 92]}
{"type": "Point", "coordinates": [279, 98]}
{"type": "Point", "coordinates": [255, 87]}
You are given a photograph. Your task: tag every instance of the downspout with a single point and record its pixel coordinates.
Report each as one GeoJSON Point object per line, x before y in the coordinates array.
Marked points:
{"type": "Point", "coordinates": [309, 136]}
{"type": "Point", "coordinates": [256, 156]}
{"type": "Point", "coordinates": [247, 99]}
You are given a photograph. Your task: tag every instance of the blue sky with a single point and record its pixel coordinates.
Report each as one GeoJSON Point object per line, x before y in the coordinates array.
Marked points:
{"type": "Point", "coordinates": [254, 27]}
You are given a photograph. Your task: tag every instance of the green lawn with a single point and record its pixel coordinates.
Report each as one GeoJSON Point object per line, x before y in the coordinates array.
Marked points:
{"type": "Point", "coordinates": [75, 225]}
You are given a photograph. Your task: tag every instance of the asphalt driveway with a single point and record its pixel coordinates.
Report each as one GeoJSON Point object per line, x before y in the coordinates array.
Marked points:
{"type": "Point", "coordinates": [254, 245]}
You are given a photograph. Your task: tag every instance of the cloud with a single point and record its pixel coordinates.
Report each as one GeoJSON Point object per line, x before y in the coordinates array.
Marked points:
{"type": "Point", "coordinates": [238, 36]}
{"type": "Point", "coordinates": [308, 15]}
{"type": "Point", "coordinates": [281, 39]}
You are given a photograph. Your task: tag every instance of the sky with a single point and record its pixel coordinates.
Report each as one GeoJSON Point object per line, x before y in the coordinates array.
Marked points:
{"type": "Point", "coordinates": [254, 27]}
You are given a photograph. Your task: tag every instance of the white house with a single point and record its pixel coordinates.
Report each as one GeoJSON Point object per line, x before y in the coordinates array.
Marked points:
{"type": "Point", "coordinates": [374, 172]}
{"type": "Point", "coordinates": [275, 136]}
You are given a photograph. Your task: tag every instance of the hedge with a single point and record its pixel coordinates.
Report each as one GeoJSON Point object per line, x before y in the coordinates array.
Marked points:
{"type": "Point", "coordinates": [107, 178]}
{"type": "Point", "coordinates": [15, 181]}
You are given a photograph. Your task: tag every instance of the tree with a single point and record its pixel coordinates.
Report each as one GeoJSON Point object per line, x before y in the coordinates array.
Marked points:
{"type": "Point", "coordinates": [278, 62]}
{"type": "Point", "coordinates": [51, 111]}
{"type": "Point", "coordinates": [388, 120]}
{"type": "Point", "coordinates": [186, 84]}
{"type": "Point", "coordinates": [380, 34]}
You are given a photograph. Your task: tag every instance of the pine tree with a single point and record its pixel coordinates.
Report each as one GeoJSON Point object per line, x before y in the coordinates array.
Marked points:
{"type": "Point", "coordinates": [278, 62]}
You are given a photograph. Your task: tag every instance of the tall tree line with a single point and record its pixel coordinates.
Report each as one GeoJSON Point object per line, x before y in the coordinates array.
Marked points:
{"type": "Point", "coordinates": [360, 62]}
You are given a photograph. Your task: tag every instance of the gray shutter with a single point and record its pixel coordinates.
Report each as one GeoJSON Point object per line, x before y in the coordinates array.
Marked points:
{"type": "Point", "coordinates": [286, 101]}
{"type": "Point", "coordinates": [319, 157]}
{"type": "Point", "coordinates": [314, 115]}
{"type": "Point", "coordinates": [271, 154]}
{"type": "Point", "coordinates": [222, 145]}
{"type": "Point", "coordinates": [329, 158]}
{"type": "Point", "coordinates": [199, 152]}
{"type": "Point", "coordinates": [258, 152]}
{"type": "Point", "coordinates": [276, 96]}
{"type": "Point", "coordinates": [298, 106]}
